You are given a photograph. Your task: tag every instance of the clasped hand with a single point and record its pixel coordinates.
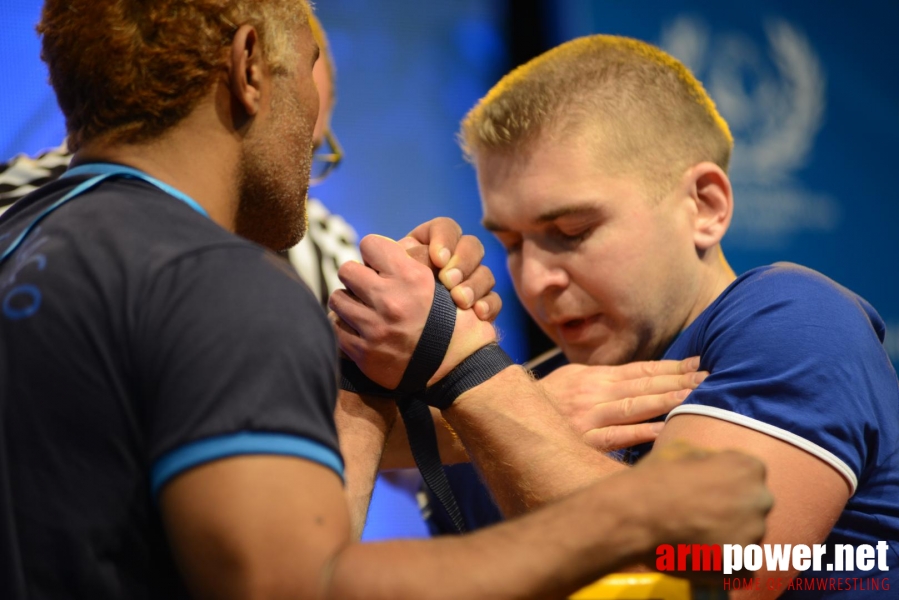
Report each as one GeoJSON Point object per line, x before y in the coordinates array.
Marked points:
{"type": "Point", "coordinates": [379, 318]}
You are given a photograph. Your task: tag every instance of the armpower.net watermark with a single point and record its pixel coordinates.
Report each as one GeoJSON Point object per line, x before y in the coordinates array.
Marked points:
{"type": "Point", "coordinates": [841, 564]}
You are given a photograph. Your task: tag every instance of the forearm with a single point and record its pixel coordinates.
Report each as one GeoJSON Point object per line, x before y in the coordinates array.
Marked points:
{"type": "Point", "coordinates": [525, 451]}
{"type": "Point", "coordinates": [398, 456]}
{"type": "Point", "coordinates": [362, 428]}
{"type": "Point", "coordinates": [523, 562]}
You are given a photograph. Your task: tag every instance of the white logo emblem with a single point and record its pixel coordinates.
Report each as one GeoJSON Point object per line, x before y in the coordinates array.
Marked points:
{"type": "Point", "coordinates": [775, 107]}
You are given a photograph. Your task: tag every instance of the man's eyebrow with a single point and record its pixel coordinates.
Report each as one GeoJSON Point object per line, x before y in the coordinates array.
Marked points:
{"type": "Point", "coordinates": [586, 208]}
{"type": "Point", "coordinates": [491, 225]}
{"type": "Point", "coordinates": [576, 210]}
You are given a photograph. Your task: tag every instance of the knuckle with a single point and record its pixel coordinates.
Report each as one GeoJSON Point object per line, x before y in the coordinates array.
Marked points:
{"type": "Point", "coordinates": [496, 302]}
{"type": "Point", "coordinates": [670, 400]}
{"type": "Point", "coordinates": [475, 243]}
{"type": "Point", "coordinates": [595, 417]}
{"type": "Point", "coordinates": [628, 407]}
{"type": "Point", "coordinates": [490, 280]}
{"type": "Point", "coordinates": [345, 269]}
{"type": "Point", "coordinates": [392, 309]}
{"type": "Point", "coordinates": [367, 243]}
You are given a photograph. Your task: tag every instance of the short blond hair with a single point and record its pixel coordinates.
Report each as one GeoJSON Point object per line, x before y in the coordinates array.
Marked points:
{"type": "Point", "coordinates": [649, 113]}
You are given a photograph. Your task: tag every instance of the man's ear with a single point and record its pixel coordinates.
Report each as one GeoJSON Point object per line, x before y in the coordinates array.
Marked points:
{"type": "Point", "coordinates": [710, 189]}
{"type": "Point", "coordinates": [247, 69]}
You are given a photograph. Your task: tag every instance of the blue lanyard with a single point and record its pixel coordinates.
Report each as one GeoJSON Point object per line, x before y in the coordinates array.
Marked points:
{"type": "Point", "coordinates": [101, 172]}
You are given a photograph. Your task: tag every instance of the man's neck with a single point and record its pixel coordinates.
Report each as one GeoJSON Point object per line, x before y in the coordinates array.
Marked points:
{"type": "Point", "coordinates": [199, 159]}
{"type": "Point", "coordinates": [717, 276]}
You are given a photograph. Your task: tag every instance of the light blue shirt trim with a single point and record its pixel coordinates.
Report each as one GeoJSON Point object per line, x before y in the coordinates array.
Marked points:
{"type": "Point", "coordinates": [238, 444]}
{"type": "Point", "coordinates": [123, 171]}
{"type": "Point", "coordinates": [101, 172]}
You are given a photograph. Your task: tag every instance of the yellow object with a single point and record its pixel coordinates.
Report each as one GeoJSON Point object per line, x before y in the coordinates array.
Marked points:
{"type": "Point", "coordinates": [636, 586]}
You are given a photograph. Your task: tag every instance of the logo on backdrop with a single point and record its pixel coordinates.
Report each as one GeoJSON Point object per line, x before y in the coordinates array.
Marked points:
{"type": "Point", "coordinates": [773, 97]}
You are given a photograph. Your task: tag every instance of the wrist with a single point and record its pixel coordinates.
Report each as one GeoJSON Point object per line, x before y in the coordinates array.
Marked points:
{"type": "Point", "coordinates": [479, 367]}
{"type": "Point", "coordinates": [636, 532]}
{"type": "Point", "coordinates": [476, 335]}
{"type": "Point", "coordinates": [509, 378]}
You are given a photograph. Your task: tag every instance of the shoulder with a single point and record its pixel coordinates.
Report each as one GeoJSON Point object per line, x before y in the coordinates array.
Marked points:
{"type": "Point", "coordinates": [786, 284]}
{"type": "Point", "coordinates": [790, 348]}
{"type": "Point", "coordinates": [127, 224]}
{"type": "Point", "coordinates": [781, 299]}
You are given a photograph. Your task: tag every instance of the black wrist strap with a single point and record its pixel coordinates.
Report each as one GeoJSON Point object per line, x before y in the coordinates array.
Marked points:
{"type": "Point", "coordinates": [471, 372]}
{"type": "Point", "coordinates": [433, 343]}
{"type": "Point", "coordinates": [423, 443]}
{"type": "Point", "coordinates": [352, 379]}
{"type": "Point", "coordinates": [426, 358]}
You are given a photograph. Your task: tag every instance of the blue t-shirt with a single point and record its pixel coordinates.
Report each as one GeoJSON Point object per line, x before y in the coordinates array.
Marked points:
{"type": "Point", "coordinates": [796, 356]}
{"type": "Point", "coordinates": [793, 355]}
{"type": "Point", "coordinates": [139, 339]}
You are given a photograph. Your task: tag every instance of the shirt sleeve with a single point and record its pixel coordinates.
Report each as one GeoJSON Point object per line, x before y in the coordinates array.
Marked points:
{"type": "Point", "coordinates": [235, 357]}
{"type": "Point", "coordinates": [794, 356]}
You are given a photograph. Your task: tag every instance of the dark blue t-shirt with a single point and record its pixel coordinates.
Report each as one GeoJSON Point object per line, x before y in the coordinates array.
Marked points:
{"type": "Point", "coordinates": [796, 356]}
{"type": "Point", "coordinates": [139, 339]}
{"type": "Point", "coordinates": [793, 355]}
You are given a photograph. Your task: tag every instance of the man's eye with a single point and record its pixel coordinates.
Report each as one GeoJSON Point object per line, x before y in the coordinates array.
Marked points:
{"type": "Point", "coordinates": [511, 243]}
{"type": "Point", "coordinates": [573, 237]}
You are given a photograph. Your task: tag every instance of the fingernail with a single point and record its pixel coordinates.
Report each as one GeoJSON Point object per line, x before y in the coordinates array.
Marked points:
{"type": "Point", "coordinates": [693, 363]}
{"type": "Point", "coordinates": [444, 255]}
{"type": "Point", "coordinates": [656, 428]}
{"type": "Point", "coordinates": [467, 296]}
{"type": "Point", "coordinates": [452, 278]}
{"type": "Point", "coordinates": [481, 309]}
{"type": "Point", "coordinates": [682, 395]}
{"type": "Point", "coordinates": [700, 377]}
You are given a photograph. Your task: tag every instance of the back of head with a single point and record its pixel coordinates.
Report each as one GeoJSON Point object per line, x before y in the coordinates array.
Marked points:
{"type": "Point", "coordinates": [128, 70]}
{"type": "Point", "coordinates": [643, 111]}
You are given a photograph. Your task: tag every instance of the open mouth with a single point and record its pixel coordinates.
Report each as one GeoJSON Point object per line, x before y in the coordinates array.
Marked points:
{"type": "Point", "coordinates": [576, 327]}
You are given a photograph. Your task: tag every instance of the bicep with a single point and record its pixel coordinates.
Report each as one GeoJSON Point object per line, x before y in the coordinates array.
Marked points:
{"type": "Point", "coordinates": [809, 494]}
{"type": "Point", "coordinates": [255, 523]}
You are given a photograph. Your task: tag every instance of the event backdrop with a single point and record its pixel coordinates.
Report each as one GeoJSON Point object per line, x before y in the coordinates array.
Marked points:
{"type": "Point", "coordinates": [810, 88]}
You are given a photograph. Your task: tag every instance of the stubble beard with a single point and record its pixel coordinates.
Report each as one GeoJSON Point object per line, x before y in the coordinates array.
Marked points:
{"type": "Point", "coordinates": [273, 178]}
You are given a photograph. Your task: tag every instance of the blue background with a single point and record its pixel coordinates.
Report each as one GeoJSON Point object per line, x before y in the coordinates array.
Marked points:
{"type": "Point", "coordinates": [811, 90]}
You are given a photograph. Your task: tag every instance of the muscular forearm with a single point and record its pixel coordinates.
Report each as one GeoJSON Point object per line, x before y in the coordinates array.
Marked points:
{"type": "Point", "coordinates": [363, 428]}
{"type": "Point", "coordinates": [398, 456]}
{"type": "Point", "coordinates": [523, 448]}
{"type": "Point", "coordinates": [522, 562]}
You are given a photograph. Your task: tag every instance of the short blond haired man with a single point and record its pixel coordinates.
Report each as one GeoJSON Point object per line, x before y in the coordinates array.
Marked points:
{"type": "Point", "coordinates": [602, 166]}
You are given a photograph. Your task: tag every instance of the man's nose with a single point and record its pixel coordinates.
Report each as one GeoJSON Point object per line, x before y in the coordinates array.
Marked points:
{"type": "Point", "coordinates": [541, 270]}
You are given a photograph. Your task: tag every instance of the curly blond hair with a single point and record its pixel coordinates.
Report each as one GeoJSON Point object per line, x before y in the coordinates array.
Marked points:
{"type": "Point", "coordinates": [128, 70]}
{"type": "Point", "coordinates": [643, 110]}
